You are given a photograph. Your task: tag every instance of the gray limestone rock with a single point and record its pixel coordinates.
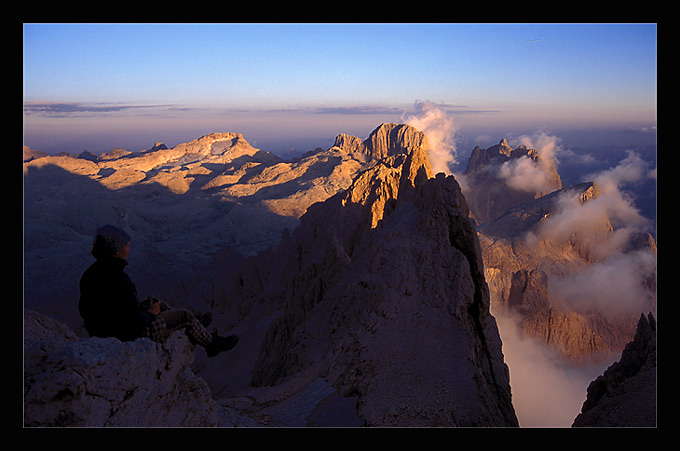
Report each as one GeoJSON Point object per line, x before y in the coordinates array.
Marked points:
{"type": "Point", "coordinates": [103, 382]}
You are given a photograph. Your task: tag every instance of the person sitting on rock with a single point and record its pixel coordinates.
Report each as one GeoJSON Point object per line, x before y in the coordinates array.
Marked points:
{"type": "Point", "coordinates": [110, 308]}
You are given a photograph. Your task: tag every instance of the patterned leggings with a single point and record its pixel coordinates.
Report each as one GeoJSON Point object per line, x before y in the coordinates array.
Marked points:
{"type": "Point", "coordinates": [171, 320]}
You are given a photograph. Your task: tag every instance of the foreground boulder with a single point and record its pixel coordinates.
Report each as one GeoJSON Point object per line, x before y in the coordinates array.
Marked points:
{"type": "Point", "coordinates": [101, 382]}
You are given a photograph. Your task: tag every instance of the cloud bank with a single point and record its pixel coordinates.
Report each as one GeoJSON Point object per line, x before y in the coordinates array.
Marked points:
{"type": "Point", "coordinates": [546, 392]}
{"type": "Point", "coordinates": [618, 280]}
{"type": "Point", "coordinates": [522, 174]}
{"type": "Point", "coordinates": [614, 203]}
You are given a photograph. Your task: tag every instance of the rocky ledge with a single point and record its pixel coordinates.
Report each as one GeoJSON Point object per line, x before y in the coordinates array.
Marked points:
{"type": "Point", "coordinates": [103, 382]}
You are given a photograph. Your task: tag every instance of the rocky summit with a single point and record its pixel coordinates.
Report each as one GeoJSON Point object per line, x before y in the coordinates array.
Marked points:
{"type": "Point", "coordinates": [334, 330]}
{"type": "Point", "coordinates": [410, 339]}
{"type": "Point", "coordinates": [492, 177]}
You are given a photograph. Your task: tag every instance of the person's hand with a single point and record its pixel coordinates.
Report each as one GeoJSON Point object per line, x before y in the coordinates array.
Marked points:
{"type": "Point", "coordinates": [155, 306]}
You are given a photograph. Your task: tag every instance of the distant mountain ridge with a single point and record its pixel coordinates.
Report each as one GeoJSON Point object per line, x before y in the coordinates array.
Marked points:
{"type": "Point", "coordinates": [180, 205]}
{"type": "Point", "coordinates": [216, 222]}
{"type": "Point", "coordinates": [331, 313]}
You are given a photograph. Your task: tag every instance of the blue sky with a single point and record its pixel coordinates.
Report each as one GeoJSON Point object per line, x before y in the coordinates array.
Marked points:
{"type": "Point", "coordinates": [99, 86]}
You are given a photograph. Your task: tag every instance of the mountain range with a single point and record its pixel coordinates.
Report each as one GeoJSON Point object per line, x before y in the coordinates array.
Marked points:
{"type": "Point", "coordinates": [298, 257]}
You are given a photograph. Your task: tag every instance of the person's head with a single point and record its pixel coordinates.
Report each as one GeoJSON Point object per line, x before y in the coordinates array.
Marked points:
{"type": "Point", "coordinates": [111, 241]}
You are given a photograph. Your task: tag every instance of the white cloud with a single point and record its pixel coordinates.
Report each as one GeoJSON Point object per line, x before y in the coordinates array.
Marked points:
{"type": "Point", "coordinates": [440, 130]}
{"type": "Point", "coordinates": [614, 282]}
{"type": "Point", "coordinates": [614, 286]}
{"type": "Point", "coordinates": [524, 174]}
{"type": "Point", "coordinates": [613, 204]}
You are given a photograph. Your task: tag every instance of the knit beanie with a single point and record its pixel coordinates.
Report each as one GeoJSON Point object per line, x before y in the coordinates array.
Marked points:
{"type": "Point", "coordinates": [110, 240]}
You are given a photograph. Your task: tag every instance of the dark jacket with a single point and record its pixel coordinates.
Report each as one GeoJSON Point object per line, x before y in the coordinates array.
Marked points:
{"type": "Point", "coordinates": [108, 301]}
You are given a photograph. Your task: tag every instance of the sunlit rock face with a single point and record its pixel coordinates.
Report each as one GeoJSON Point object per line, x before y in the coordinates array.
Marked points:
{"type": "Point", "coordinates": [382, 294]}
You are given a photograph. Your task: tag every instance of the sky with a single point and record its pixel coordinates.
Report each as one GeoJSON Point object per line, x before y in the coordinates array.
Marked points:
{"type": "Point", "coordinates": [292, 87]}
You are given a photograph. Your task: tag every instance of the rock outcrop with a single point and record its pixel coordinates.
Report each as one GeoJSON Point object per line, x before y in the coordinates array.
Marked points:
{"type": "Point", "coordinates": [387, 140]}
{"type": "Point", "coordinates": [102, 382]}
{"type": "Point", "coordinates": [524, 217]}
{"type": "Point", "coordinates": [409, 339]}
{"type": "Point", "coordinates": [30, 154]}
{"type": "Point", "coordinates": [520, 260]}
{"type": "Point", "coordinates": [501, 177]}
{"type": "Point", "coordinates": [578, 337]}
{"type": "Point", "coordinates": [625, 395]}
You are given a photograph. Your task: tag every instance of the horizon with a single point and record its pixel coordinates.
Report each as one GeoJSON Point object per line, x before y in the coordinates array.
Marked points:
{"type": "Point", "coordinates": [289, 88]}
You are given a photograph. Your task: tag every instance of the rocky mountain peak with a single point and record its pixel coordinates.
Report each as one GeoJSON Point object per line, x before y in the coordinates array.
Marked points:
{"type": "Point", "coordinates": [503, 148]}
{"type": "Point", "coordinates": [348, 143]}
{"type": "Point", "coordinates": [501, 177]}
{"type": "Point", "coordinates": [387, 140]}
{"type": "Point", "coordinates": [157, 146]}
{"type": "Point", "coordinates": [519, 219]}
{"type": "Point", "coordinates": [392, 139]}
{"type": "Point", "coordinates": [589, 191]}
{"type": "Point", "coordinates": [375, 327]}
{"type": "Point", "coordinates": [481, 158]}
{"type": "Point", "coordinates": [232, 145]}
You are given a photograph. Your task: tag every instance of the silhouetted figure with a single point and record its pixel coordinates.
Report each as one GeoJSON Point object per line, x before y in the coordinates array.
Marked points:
{"type": "Point", "coordinates": [110, 308]}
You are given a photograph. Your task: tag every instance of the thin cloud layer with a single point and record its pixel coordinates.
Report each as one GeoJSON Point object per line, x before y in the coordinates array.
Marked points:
{"type": "Point", "coordinates": [74, 108]}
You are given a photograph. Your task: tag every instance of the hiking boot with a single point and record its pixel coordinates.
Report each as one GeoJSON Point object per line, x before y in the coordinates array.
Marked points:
{"type": "Point", "coordinates": [220, 344]}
